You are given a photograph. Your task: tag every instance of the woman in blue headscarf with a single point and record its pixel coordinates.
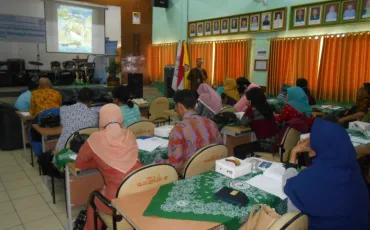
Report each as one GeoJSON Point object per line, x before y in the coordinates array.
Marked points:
{"type": "Point", "coordinates": [297, 106]}
{"type": "Point", "coordinates": [332, 192]}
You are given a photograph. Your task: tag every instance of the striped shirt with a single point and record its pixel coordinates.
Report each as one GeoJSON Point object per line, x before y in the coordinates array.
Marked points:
{"type": "Point", "coordinates": [190, 135]}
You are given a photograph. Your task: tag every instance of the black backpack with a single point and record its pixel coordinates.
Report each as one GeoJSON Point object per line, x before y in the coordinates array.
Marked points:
{"type": "Point", "coordinates": [225, 118]}
{"type": "Point", "coordinates": [77, 141]}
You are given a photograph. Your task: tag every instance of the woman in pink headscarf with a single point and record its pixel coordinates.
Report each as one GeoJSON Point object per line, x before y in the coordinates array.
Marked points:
{"type": "Point", "coordinates": [209, 101]}
{"type": "Point", "coordinates": [241, 105]}
{"type": "Point", "coordinates": [113, 151]}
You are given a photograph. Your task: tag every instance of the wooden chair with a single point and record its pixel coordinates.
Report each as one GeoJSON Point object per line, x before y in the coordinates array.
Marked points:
{"type": "Point", "coordinates": [228, 109]}
{"type": "Point", "coordinates": [289, 140]}
{"type": "Point", "coordinates": [142, 128]}
{"type": "Point", "coordinates": [204, 159]}
{"type": "Point", "coordinates": [88, 131]}
{"type": "Point", "coordinates": [156, 110]}
{"type": "Point", "coordinates": [291, 221]}
{"type": "Point", "coordinates": [145, 178]}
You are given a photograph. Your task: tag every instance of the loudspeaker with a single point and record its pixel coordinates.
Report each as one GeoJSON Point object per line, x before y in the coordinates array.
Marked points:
{"type": "Point", "coordinates": [135, 84]}
{"type": "Point", "coordinates": [160, 3]}
{"type": "Point", "coordinates": [169, 70]}
{"type": "Point", "coordinates": [16, 65]}
{"type": "Point", "coordinates": [6, 79]}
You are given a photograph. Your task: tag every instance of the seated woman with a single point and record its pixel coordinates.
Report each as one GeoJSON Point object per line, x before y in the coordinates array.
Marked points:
{"type": "Point", "coordinates": [230, 95]}
{"type": "Point", "coordinates": [261, 119]}
{"type": "Point", "coordinates": [297, 107]}
{"type": "Point", "coordinates": [332, 191]}
{"type": "Point", "coordinates": [303, 84]}
{"type": "Point", "coordinates": [241, 105]}
{"type": "Point", "coordinates": [361, 108]}
{"type": "Point", "coordinates": [113, 151]}
{"type": "Point", "coordinates": [209, 101]}
{"type": "Point", "coordinates": [130, 111]}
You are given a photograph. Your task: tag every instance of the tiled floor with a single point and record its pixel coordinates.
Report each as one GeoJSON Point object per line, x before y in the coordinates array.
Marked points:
{"type": "Point", "coordinates": [25, 201]}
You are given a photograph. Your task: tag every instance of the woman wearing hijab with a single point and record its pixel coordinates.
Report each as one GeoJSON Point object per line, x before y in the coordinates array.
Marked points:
{"type": "Point", "coordinates": [361, 108]}
{"type": "Point", "coordinates": [260, 117]}
{"type": "Point", "coordinates": [241, 105]}
{"type": "Point", "coordinates": [209, 101]}
{"type": "Point", "coordinates": [297, 106]}
{"type": "Point", "coordinates": [332, 191]}
{"type": "Point", "coordinates": [113, 151]}
{"type": "Point", "coordinates": [230, 95]}
{"type": "Point", "coordinates": [303, 84]}
{"type": "Point", "coordinates": [243, 84]}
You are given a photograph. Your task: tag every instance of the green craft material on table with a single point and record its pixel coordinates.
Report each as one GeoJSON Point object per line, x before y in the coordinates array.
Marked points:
{"type": "Point", "coordinates": [193, 199]}
{"type": "Point", "coordinates": [159, 154]}
{"type": "Point", "coordinates": [64, 157]}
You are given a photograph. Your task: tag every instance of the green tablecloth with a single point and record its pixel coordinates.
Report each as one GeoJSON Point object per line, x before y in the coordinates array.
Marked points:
{"type": "Point", "coordinates": [156, 156]}
{"type": "Point", "coordinates": [193, 199]}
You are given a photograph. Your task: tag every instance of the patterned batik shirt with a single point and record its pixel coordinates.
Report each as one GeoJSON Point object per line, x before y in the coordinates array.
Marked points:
{"type": "Point", "coordinates": [43, 99]}
{"type": "Point", "coordinates": [74, 118]}
{"type": "Point", "coordinates": [191, 134]}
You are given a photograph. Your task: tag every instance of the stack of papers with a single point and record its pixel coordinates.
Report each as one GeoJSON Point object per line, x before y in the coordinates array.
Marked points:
{"type": "Point", "coordinates": [163, 131]}
{"type": "Point", "coordinates": [151, 144]}
{"type": "Point", "coordinates": [359, 140]}
{"type": "Point", "coordinates": [271, 181]}
{"type": "Point", "coordinates": [332, 107]}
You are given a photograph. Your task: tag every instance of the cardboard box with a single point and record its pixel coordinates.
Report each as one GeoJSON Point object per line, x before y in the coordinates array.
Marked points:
{"type": "Point", "coordinates": [229, 169]}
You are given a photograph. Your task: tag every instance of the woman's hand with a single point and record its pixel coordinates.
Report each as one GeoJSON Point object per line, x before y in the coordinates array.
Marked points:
{"type": "Point", "coordinates": [248, 102]}
{"type": "Point", "coordinates": [302, 146]}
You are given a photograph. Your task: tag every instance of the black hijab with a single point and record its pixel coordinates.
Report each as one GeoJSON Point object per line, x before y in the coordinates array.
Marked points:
{"type": "Point", "coordinates": [259, 101]}
{"type": "Point", "coordinates": [243, 84]}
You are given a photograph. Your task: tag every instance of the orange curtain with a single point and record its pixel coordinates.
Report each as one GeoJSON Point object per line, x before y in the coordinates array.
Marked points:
{"type": "Point", "coordinates": [158, 57]}
{"type": "Point", "coordinates": [292, 58]}
{"type": "Point", "coordinates": [220, 63]}
{"type": "Point", "coordinates": [238, 58]}
{"type": "Point", "coordinates": [202, 50]}
{"type": "Point", "coordinates": [344, 66]}
{"type": "Point", "coordinates": [231, 59]}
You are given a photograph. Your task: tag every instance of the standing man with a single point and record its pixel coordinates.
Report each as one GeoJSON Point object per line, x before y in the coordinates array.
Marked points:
{"type": "Point", "coordinates": [197, 75]}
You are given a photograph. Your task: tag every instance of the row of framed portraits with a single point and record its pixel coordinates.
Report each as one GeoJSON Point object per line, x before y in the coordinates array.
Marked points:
{"type": "Point", "coordinates": [266, 21]}
{"type": "Point", "coordinates": [329, 13]}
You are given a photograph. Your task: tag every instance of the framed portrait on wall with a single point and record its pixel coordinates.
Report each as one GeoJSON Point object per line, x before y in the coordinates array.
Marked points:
{"type": "Point", "coordinates": [192, 29]}
{"type": "Point", "coordinates": [331, 12]}
{"type": "Point", "coordinates": [234, 25]}
{"type": "Point", "coordinates": [300, 16]}
{"type": "Point", "coordinates": [216, 27]}
{"type": "Point", "coordinates": [260, 65]}
{"type": "Point", "coordinates": [207, 28]}
{"type": "Point", "coordinates": [255, 22]}
{"type": "Point", "coordinates": [136, 18]}
{"type": "Point", "coordinates": [200, 29]}
{"type": "Point", "coordinates": [315, 13]}
{"type": "Point", "coordinates": [279, 19]}
{"type": "Point", "coordinates": [365, 10]}
{"type": "Point", "coordinates": [266, 21]}
{"type": "Point", "coordinates": [243, 27]}
{"type": "Point", "coordinates": [224, 26]}
{"type": "Point", "coordinates": [349, 11]}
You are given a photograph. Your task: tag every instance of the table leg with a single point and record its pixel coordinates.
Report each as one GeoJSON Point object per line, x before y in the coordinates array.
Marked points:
{"type": "Point", "coordinates": [43, 143]}
{"type": "Point", "coordinates": [23, 139]}
{"type": "Point", "coordinates": [224, 137]}
{"type": "Point", "coordinates": [68, 198]}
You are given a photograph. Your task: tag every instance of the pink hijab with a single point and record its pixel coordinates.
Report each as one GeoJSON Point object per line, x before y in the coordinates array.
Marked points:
{"type": "Point", "coordinates": [113, 144]}
{"type": "Point", "coordinates": [241, 105]}
{"type": "Point", "coordinates": [209, 97]}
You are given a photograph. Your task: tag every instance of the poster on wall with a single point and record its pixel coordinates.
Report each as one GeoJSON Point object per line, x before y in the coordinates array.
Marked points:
{"type": "Point", "coordinates": [22, 29]}
{"type": "Point", "coordinates": [261, 53]}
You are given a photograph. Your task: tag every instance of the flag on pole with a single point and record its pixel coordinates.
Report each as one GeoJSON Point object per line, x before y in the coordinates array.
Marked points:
{"type": "Point", "coordinates": [182, 69]}
{"type": "Point", "coordinates": [186, 64]}
{"type": "Point", "coordinates": [177, 66]}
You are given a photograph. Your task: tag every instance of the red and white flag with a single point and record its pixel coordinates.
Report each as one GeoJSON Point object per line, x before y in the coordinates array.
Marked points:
{"type": "Point", "coordinates": [182, 66]}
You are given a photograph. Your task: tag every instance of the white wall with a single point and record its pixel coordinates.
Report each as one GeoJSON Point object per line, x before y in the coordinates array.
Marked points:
{"type": "Point", "coordinates": [28, 51]}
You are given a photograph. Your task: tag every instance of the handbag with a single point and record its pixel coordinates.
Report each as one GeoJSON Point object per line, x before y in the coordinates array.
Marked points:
{"type": "Point", "coordinates": [50, 121]}
{"type": "Point", "coordinates": [260, 220]}
{"type": "Point", "coordinates": [224, 119]}
{"type": "Point", "coordinates": [80, 221]}
{"type": "Point", "coordinates": [77, 141]}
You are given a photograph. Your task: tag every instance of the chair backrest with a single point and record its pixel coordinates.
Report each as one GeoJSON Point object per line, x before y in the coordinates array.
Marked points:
{"type": "Point", "coordinates": [81, 131]}
{"type": "Point", "coordinates": [204, 159]}
{"type": "Point", "coordinates": [290, 221]}
{"type": "Point", "coordinates": [290, 139]}
{"type": "Point", "coordinates": [142, 128]}
{"type": "Point", "coordinates": [147, 177]}
{"type": "Point", "coordinates": [52, 111]}
{"type": "Point", "coordinates": [228, 109]}
{"type": "Point", "coordinates": [157, 108]}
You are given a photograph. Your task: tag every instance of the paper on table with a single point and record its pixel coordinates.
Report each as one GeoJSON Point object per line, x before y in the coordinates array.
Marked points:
{"type": "Point", "coordinates": [269, 185]}
{"type": "Point", "coordinates": [25, 113]}
{"type": "Point", "coordinates": [275, 171]}
{"type": "Point", "coordinates": [147, 145]}
{"type": "Point", "coordinates": [305, 136]}
{"type": "Point", "coordinates": [239, 115]}
{"type": "Point", "coordinates": [331, 107]}
{"type": "Point", "coordinates": [359, 140]}
{"type": "Point", "coordinates": [163, 142]}
{"type": "Point", "coordinates": [73, 157]}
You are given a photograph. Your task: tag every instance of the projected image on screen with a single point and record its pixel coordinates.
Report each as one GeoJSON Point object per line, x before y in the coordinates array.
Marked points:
{"type": "Point", "coordinates": [74, 29]}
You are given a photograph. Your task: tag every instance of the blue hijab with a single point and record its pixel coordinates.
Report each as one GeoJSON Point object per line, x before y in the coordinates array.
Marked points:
{"type": "Point", "coordinates": [297, 98]}
{"type": "Point", "coordinates": [332, 192]}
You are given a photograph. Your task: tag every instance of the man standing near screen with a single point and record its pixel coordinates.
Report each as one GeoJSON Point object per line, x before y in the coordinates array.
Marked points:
{"type": "Point", "coordinates": [197, 75]}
